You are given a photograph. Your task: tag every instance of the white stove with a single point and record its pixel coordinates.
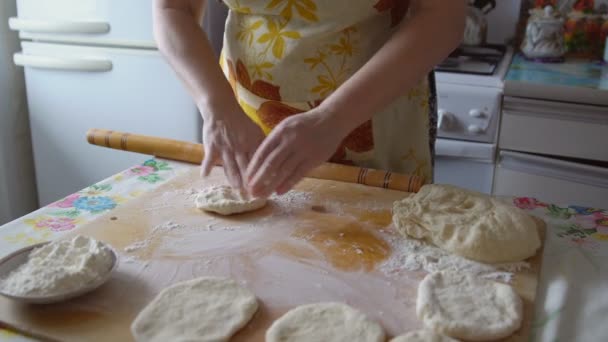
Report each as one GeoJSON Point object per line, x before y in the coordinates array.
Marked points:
{"type": "Point", "coordinates": [469, 101]}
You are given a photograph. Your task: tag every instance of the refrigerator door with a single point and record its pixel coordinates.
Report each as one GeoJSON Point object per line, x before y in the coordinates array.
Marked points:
{"type": "Point", "coordinates": [551, 180]}
{"type": "Point", "coordinates": [107, 22]}
{"type": "Point", "coordinates": [73, 88]}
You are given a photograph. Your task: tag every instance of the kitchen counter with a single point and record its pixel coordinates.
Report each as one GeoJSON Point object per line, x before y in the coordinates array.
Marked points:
{"type": "Point", "coordinates": [575, 80]}
{"type": "Point", "coordinates": [571, 301]}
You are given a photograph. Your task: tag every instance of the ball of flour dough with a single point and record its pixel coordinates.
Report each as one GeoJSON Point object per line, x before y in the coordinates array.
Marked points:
{"type": "Point", "coordinates": [328, 322]}
{"type": "Point", "coordinates": [203, 309]}
{"type": "Point", "coordinates": [467, 223]}
{"type": "Point", "coordinates": [224, 200]}
{"type": "Point", "coordinates": [468, 307]}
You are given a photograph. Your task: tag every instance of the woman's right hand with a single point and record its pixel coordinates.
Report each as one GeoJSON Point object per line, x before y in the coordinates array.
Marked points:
{"type": "Point", "coordinates": [231, 137]}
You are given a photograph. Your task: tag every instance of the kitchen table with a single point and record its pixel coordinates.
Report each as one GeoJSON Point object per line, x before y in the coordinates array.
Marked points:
{"type": "Point", "coordinates": [572, 298]}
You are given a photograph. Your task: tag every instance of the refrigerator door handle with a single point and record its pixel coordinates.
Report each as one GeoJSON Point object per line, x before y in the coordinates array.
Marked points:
{"type": "Point", "coordinates": [69, 27]}
{"type": "Point", "coordinates": [60, 63]}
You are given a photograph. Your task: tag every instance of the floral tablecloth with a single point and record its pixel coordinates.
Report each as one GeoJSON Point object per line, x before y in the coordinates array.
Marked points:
{"type": "Point", "coordinates": [572, 299]}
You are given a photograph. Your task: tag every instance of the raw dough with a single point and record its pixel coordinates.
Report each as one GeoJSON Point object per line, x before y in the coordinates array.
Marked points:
{"type": "Point", "coordinates": [467, 223]}
{"type": "Point", "coordinates": [423, 336]}
{"type": "Point", "coordinates": [203, 309]}
{"type": "Point", "coordinates": [328, 322]}
{"type": "Point", "coordinates": [467, 307]}
{"type": "Point", "coordinates": [224, 200]}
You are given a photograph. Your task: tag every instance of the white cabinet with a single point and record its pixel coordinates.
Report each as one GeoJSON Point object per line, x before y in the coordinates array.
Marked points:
{"type": "Point", "coordinates": [73, 88]}
{"type": "Point", "coordinates": [554, 128]}
{"type": "Point", "coordinates": [554, 151]}
{"type": "Point", "coordinates": [551, 180]}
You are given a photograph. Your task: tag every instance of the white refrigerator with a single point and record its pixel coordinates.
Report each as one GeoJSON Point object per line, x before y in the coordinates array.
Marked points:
{"type": "Point", "coordinates": [17, 185]}
{"type": "Point", "coordinates": [94, 64]}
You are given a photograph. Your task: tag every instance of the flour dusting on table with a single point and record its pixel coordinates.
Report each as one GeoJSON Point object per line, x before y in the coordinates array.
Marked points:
{"type": "Point", "coordinates": [415, 255]}
{"type": "Point", "coordinates": [292, 201]}
{"type": "Point", "coordinates": [161, 228]}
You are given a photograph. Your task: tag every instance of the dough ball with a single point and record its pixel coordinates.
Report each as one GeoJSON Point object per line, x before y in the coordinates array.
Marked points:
{"type": "Point", "coordinates": [328, 322]}
{"type": "Point", "coordinates": [423, 336]}
{"type": "Point", "coordinates": [468, 307]}
{"type": "Point", "coordinates": [224, 200]}
{"type": "Point", "coordinates": [203, 309]}
{"type": "Point", "coordinates": [467, 223]}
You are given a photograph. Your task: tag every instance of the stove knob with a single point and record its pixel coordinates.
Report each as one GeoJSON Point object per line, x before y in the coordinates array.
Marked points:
{"type": "Point", "coordinates": [476, 113]}
{"type": "Point", "coordinates": [445, 120]}
{"type": "Point", "coordinates": [474, 129]}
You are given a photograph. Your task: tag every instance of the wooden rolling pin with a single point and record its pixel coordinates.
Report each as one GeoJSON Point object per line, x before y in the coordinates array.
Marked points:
{"type": "Point", "coordinates": [193, 153]}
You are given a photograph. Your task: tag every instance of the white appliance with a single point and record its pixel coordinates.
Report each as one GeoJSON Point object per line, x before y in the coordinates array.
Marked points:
{"type": "Point", "coordinates": [469, 108]}
{"type": "Point", "coordinates": [17, 184]}
{"type": "Point", "coordinates": [469, 97]}
{"type": "Point", "coordinates": [568, 165]}
{"type": "Point", "coordinates": [93, 63]}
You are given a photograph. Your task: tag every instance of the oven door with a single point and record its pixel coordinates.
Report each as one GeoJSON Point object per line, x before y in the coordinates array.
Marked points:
{"type": "Point", "coordinates": [469, 165]}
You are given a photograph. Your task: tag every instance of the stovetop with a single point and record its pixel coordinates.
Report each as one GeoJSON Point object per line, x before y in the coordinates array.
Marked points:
{"type": "Point", "coordinates": [474, 60]}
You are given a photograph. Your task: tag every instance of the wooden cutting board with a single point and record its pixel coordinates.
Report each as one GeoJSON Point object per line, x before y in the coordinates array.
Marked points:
{"type": "Point", "coordinates": [325, 241]}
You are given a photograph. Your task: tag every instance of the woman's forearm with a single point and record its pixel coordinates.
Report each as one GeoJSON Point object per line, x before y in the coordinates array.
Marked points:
{"type": "Point", "coordinates": [423, 40]}
{"type": "Point", "coordinates": [186, 47]}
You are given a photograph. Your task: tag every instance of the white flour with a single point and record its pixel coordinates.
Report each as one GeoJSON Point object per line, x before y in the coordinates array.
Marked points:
{"type": "Point", "coordinates": [415, 255]}
{"type": "Point", "coordinates": [291, 201]}
{"type": "Point", "coordinates": [161, 228]}
{"type": "Point", "coordinates": [58, 267]}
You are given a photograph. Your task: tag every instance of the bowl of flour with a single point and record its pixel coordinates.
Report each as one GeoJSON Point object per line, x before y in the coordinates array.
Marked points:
{"type": "Point", "coordinates": [55, 271]}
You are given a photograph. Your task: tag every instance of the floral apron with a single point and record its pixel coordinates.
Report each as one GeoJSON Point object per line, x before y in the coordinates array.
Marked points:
{"type": "Point", "coordinates": [283, 57]}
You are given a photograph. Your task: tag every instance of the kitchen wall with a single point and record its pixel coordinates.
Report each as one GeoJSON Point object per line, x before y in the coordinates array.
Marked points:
{"type": "Point", "coordinates": [17, 184]}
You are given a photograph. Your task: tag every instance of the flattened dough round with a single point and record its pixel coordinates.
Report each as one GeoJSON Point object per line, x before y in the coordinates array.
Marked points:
{"type": "Point", "coordinates": [467, 223]}
{"type": "Point", "coordinates": [224, 200]}
{"type": "Point", "coordinates": [328, 322]}
{"type": "Point", "coordinates": [202, 309]}
{"type": "Point", "coordinates": [423, 336]}
{"type": "Point", "coordinates": [468, 307]}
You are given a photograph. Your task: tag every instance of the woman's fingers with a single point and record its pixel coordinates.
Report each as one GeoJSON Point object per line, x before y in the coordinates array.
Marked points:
{"type": "Point", "coordinates": [298, 173]}
{"type": "Point", "coordinates": [268, 146]}
{"type": "Point", "coordinates": [266, 176]}
{"type": "Point", "coordinates": [209, 160]}
{"type": "Point", "coordinates": [242, 162]}
{"type": "Point", "coordinates": [231, 169]}
{"type": "Point", "coordinates": [274, 174]}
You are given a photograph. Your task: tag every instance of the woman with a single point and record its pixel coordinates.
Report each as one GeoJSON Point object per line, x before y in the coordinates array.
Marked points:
{"type": "Point", "coordinates": [339, 80]}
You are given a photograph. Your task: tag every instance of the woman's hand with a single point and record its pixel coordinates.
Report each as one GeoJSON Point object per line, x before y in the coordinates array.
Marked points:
{"type": "Point", "coordinates": [231, 137]}
{"type": "Point", "coordinates": [294, 147]}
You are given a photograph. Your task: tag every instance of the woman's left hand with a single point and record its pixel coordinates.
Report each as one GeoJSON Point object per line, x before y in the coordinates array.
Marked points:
{"type": "Point", "coordinates": [294, 147]}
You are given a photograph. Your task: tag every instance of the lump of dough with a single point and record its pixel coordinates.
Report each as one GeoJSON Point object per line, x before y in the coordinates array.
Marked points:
{"type": "Point", "coordinates": [328, 322]}
{"type": "Point", "coordinates": [423, 336]}
{"type": "Point", "coordinates": [202, 309]}
{"type": "Point", "coordinates": [468, 307]}
{"type": "Point", "coordinates": [224, 200]}
{"type": "Point", "coordinates": [467, 223]}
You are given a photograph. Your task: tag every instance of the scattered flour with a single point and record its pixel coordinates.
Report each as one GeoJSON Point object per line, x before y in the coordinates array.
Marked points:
{"type": "Point", "coordinates": [137, 245]}
{"type": "Point", "coordinates": [59, 267]}
{"type": "Point", "coordinates": [292, 201]}
{"type": "Point", "coordinates": [166, 227]}
{"type": "Point", "coordinates": [161, 228]}
{"type": "Point", "coordinates": [415, 255]}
